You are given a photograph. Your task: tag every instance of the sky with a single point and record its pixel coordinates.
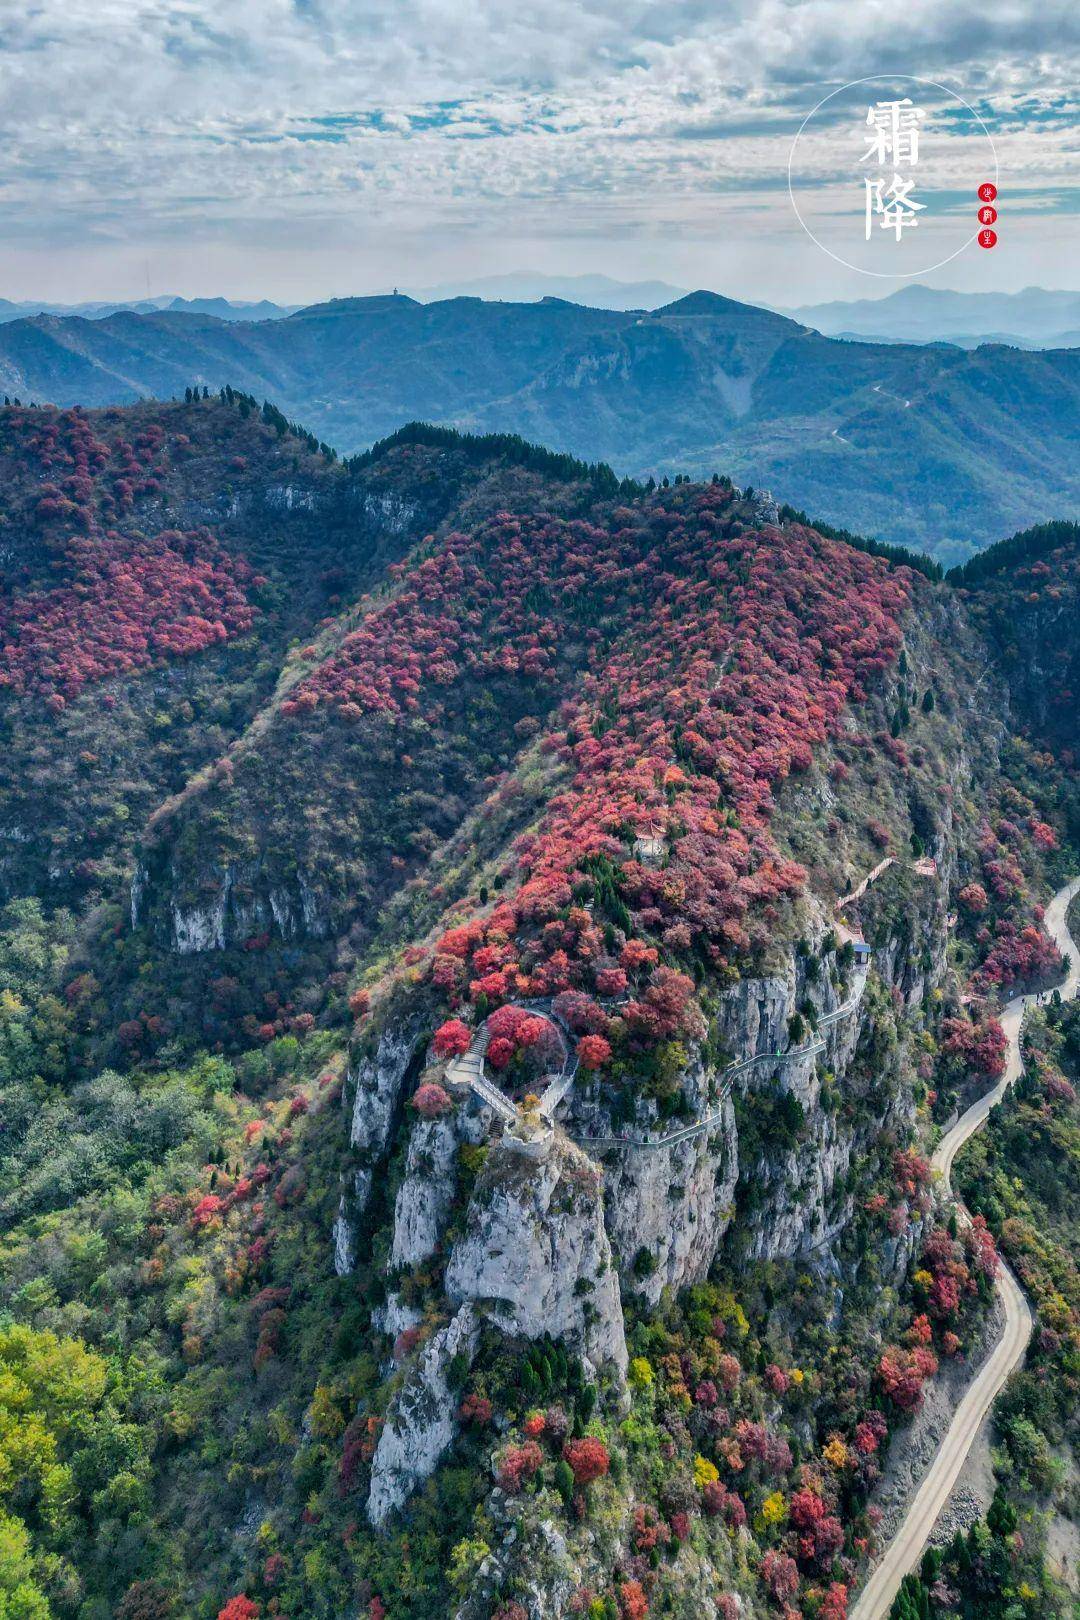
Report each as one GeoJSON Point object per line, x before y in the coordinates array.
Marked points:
{"type": "Point", "coordinates": [302, 149]}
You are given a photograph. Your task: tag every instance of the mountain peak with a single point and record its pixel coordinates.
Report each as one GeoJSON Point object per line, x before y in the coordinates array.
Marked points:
{"type": "Point", "coordinates": [369, 305]}
{"type": "Point", "coordinates": [704, 302]}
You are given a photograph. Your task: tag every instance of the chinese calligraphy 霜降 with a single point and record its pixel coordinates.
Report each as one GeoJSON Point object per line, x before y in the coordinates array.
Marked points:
{"type": "Point", "coordinates": [894, 144]}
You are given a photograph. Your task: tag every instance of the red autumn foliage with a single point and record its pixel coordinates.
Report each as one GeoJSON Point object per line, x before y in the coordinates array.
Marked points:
{"type": "Point", "coordinates": [452, 1039]}
{"type": "Point", "coordinates": [980, 1046]}
{"type": "Point", "coordinates": [1056, 1088]}
{"type": "Point", "coordinates": [780, 1575]}
{"type": "Point", "coordinates": [580, 1012]}
{"type": "Point", "coordinates": [633, 1604]}
{"type": "Point", "coordinates": [902, 1374]}
{"type": "Point", "coordinates": [206, 1210]}
{"type": "Point", "coordinates": [649, 1529]}
{"type": "Point", "coordinates": [1018, 955]}
{"type": "Point", "coordinates": [518, 1464]}
{"type": "Point", "coordinates": [981, 1248]}
{"type": "Point", "coordinates": [728, 1371]}
{"type": "Point", "coordinates": [716, 1499]}
{"type": "Point", "coordinates": [499, 1052]}
{"type": "Point", "coordinates": [430, 1101]}
{"type": "Point", "coordinates": [239, 1608]}
{"type": "Point", "coordinates": [834, 1605]}
{"type": "Point", "coordinates": [870, 1433]}
{"type": "Point", "coordinates": [777, 1379]}
{"type": "Point", "coordinates": [636, 955]}
{"type": "Point", "coordinates": [126, 604]}
{"type": "Point", "coordinates": [921, 1331]}
{"type": "Point", "coordinates": [406, 1341]}
{"type": "Point", "coordinates": [593, 1051]}
{"type": "Point", "coordinates": [735, 656]}
{"type": "Point", "coordinates": [588, 1459]}
{"type": "Point", "coordinates": [821, 1535]}
{"type": "Point", "coordinates": [476, 1409]}
{"type": "Point", "coordinates": [912, 1172]}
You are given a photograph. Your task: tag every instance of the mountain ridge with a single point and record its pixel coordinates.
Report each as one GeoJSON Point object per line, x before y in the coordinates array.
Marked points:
{"type": "Point", "coordinates": [941, 448]}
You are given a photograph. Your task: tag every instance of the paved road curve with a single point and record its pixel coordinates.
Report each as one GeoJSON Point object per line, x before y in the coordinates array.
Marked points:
{"type": "Point", "coordinates": [904, 1551]}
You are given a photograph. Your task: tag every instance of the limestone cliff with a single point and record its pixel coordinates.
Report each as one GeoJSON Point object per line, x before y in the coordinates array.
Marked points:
{"type": "Point", "coordinates": [376, 1085]}
{"type": "Point", "coordinates": [422, 1422]}
{"type": "Point", "coordinates": [536, 1255]}
{"type": "Point", "coordinates": [231, 903]}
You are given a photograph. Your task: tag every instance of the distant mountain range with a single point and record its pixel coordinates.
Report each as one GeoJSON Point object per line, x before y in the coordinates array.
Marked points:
{"type": "Point", "coordinates": [930, 446]}
{"type": "Point", "coordinates": [1034, 318]}
{"type": "Point", "coordinates": [599, 292]}
{"type": "Point", "coordinates": [225, 309]}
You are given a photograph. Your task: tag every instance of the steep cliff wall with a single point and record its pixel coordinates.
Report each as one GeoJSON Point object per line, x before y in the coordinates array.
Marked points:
{"type": "Point", "coordinates": [536, 1253]}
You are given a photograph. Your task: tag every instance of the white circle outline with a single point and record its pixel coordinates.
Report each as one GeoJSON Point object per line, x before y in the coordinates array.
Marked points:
{"type": "Point", "coordinates": [885, 78]}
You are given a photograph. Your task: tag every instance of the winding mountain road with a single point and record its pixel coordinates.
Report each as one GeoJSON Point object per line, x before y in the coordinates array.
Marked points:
{"type": "Point", "coordinates": [905, 1549]}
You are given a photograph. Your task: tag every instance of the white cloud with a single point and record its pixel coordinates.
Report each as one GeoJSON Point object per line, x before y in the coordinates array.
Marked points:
{"type": "Point", "coordinates": [462, 128]}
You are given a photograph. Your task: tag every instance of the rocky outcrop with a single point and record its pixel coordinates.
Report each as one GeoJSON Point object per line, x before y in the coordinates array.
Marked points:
{"type": "Point", "coordinates": [552, 1237]}
{"type": "Point", "coordinates": [545, 1563]}
{"type": "Point", "coordinates": [390, 513]}
{"type": "Point", "coordinates": [535, 1255]}
{"type": "Point", "coordinates": [424, 1197]}
{"type": "Point", "coordinates": [422, 1421]}
{"type": "Point", "coordinates": [378, 1085]}
{"type": "Point", "coordinates": [667, 1208]}
{"type": "Point", "coordinates": [234, 902]}
{"type": "Point", "coordinates": [905, 919]}
{"type": "Point", "coordinates": [342, 1242]}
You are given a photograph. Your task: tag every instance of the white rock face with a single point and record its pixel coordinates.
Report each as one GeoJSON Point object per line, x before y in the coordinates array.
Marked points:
{"type": "Point", "coordinates": [395, 1316]}
{"type": "Point", "coordinates": [424, 1197]}
{"type": "Point", "coordinates": [536, 1252]}
{"type": "Point", "coordinates": [753, 1015]}
{"type": "Point", "coordinates": [379, 1081]}
{"type": "Point", "coordinates": [389, 512]}
{"type": "Point", "coordinates": [199, 928]}
{"type": "Point", "coordinates": [290, 498]}
{"type": "Point", "coordinates": [235, 901]}
{"type": "Point", "coordinates": [344, 1246]}
{"type": "Point", "coordinates": [138, 889]}
{"type": "Point", "coordinates": [422, 1421]}
{"type": "Point", "coordinates": [675, 1203]}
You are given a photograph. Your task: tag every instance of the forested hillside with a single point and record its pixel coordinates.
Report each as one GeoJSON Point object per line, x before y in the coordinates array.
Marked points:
{"type": "Point", "coordinates": [1025, 593]}
{"type": "Point", "coordinates": [466, 1118]}
{"type": "Point", "coordinates": [929, 446]}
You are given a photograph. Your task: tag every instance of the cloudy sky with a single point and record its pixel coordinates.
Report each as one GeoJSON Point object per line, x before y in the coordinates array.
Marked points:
{"type": "Point", "coordinates": [299, 149]}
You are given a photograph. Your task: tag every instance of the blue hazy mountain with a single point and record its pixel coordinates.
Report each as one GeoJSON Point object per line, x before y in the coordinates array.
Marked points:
{"type": "Point", "coordinates": [932, 446]}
